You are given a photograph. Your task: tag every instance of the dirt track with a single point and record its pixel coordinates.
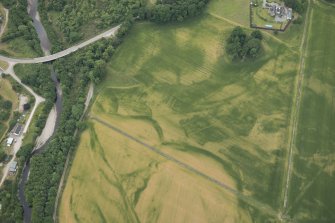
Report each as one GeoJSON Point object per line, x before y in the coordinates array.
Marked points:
{"type": "Point", "coordinates": [254, 203]}
{"type": "Point", "coordinates": [3, 28]}
{"type": "Point", "coordinates": [297, 102]}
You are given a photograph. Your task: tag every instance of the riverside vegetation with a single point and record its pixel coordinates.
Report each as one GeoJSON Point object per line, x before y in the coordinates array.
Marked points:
{"type": "Point", "coordinates": [20, 39]}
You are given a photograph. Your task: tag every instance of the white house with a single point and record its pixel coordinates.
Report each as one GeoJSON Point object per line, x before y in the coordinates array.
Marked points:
{"type": "Point", "coordinates": [10, 141]}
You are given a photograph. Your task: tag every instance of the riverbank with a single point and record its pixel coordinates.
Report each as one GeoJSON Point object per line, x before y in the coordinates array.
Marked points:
{"type": "Point", "coordinates": [54, 115]}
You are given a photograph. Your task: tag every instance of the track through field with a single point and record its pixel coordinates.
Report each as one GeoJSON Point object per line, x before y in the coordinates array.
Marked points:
{"type": "Point", "coordinates": [256, 204]}
{"type": "Point", "coordinates": [297, 103]}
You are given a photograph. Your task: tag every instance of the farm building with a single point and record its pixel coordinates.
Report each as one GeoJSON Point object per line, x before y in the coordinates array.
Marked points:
{"type": "Point", "coordinates": [13, 167]}
{"type": "Point", "coordinates": [280, 12]}
{"type": "Point", "coordinates": [17, 129]}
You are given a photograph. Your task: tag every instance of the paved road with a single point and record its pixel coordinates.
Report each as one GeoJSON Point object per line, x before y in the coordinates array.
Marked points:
{"type": "Point", "coordinates": [18, 143]}
{"type": "Point", "coordinates": [63, 53]}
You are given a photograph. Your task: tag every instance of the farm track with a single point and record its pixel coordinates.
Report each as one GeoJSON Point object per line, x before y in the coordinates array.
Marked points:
{"type": "Point", "coordinates": [3, 28]}
{"type": "Point", "coordinates": [297, 102]}
{"type": "Point", "coordinates": [256, 204]}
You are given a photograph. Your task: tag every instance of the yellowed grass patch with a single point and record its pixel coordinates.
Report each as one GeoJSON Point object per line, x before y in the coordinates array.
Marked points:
{"type": "Point", "coordinates": [105, 176]}
{"type": "Point", "coordinates": [3, 65]}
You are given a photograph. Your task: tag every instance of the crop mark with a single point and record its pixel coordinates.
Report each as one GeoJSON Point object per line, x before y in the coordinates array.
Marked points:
{"type": "Point", "coordinates": [256, 204]}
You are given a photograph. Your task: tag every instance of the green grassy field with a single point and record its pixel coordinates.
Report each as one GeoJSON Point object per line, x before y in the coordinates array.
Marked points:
{"type": "Point", "coordinates": [234, 10]}
{"type": "Point", "coordinates": [17, 47]}
{"type": "Point", "coordinates": [311, 194]}
{"type": "Point", "coordinates": [173, 88]}
{"type": "Point", "coordinates": [7, 93]}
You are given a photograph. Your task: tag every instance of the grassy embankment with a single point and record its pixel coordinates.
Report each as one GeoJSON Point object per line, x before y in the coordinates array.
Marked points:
{"type": "Point", "coordinates": [18, 46]}
{"type": "Point", "coordinates": [7, 93]}
{"type": "Point", "coordinates": [313, 182]}
{"type": "Point", "coordinates": [3, 19]}
{"type": "Point", "coordinates": [173, 88]}
{"type": "Point", "coordinates": [3, 65]}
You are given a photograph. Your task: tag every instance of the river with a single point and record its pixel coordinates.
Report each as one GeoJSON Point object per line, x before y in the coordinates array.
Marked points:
{"type": "Point", "coordinates": [54, 116]}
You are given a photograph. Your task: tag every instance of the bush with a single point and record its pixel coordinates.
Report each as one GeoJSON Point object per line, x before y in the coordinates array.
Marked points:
{"type": "Point", "coordinates": [7, 105]}
{"type": "Point", "coordinates": [3, 155]}
{"type": "Point", "coordinates": [298, 21]}
{"type": "Point", "coordinates": [176, 10]}
{"type": "Point", "coordinates": [241, 46]}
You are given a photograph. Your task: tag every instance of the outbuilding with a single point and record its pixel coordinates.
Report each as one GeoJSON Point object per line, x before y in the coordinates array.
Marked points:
{"type": "Point", "coordinates": [18, 129]}
{"type": "Point", "coordinates": [10, 141]}
{"type": "Point", "coordinates": [13, 167]}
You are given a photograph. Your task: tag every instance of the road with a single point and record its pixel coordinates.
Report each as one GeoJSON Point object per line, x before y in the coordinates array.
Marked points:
{"type": "Point", "coordinates": [63, 53]}
{"type": "Point", "coordinates": [256, 204]}
{"type": "Point", "coordinates": [39, 99]}
{"type": "Point", "coordinates": [297, 102]}
{"type": "Point", "coordinates": [18, 143]}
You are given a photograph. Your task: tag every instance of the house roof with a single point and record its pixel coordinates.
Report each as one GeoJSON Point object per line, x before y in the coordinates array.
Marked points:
{"type": "Point", "coordinates": [18, 129]}
{"type": "Point", "coordinates": [13, 166]}
{"type": "Point", "coordinates": [10, 140]}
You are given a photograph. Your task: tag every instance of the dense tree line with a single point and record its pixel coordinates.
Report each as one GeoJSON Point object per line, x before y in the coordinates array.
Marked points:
{"type": "Point", "coordinates": [19, 24]}
{"type": "Point", "coordinates": [297, 5]}
{"type": "Point", "coordinates": [176, 10]}
{"type": "Point", "coordinates": [53, 35]}
{"type": "Point", "coordinates": [11, 211]}
{"type": "Point", "coordinates": [5, 109]}
{"type": "Point", "coordinates": [240, 46]}
{"type": "Point", "coordinates": [75, 73]}
{"type": "Point", "coordinates": [38, 76]}
{"type": "Point", "coordinates": [79, 16]}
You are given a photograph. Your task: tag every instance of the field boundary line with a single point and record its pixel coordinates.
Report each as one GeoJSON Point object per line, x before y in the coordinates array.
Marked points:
{"type": "Point", "coordinates": [227, 20]}
{"type": "Point", "coordinates": [256, 204]}
{"type": "Point", "coordinates": [297, 104]}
